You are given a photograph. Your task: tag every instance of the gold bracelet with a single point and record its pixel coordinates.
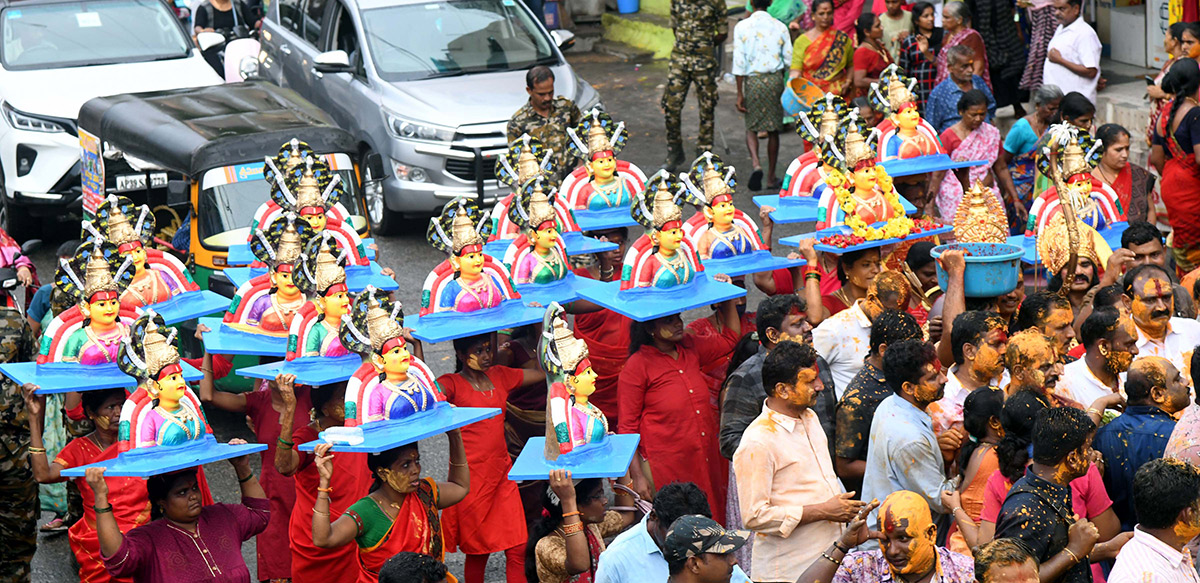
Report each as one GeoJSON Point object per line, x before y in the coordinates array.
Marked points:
{"type": "Point", "coordinates": [1074, 557]}
{"type": "Point", "coordinates": [322, 513]}
{"type": "Point", "coordinates": [573, 533]}
{"type": "Point", "coordinates": [574, 527]}
{"type": "Point", "coordinates": [1095, 411]}
{"type": "Point", "coordinates": [37, 450]}
{"type": "Point", "coordinates": [458, 465]}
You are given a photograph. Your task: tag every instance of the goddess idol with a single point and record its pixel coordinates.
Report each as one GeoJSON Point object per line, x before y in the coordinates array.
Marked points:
{"type": "Point", "coordinates": [1069, 155]}
{"type": "Point", "coordinates": [92, 334]}
{"type": "Point", "coordinates": [663, 258]}
{"type": "Point", "coordinates": [162, 411]}
{"type": "Point", "coordinates": [149, 286]}
{"type": "Point", "coordinates": [267, 303]}
{"type": "Point", "coordinates": [392, 384]}
{"type": "Point", "coordinates": [321, 275]}
{"type": "Point", "coordinates": [572, 421]}
{"type": "Point", "coordinates": [821, 126]}
{"type": "Point", "coordinates": [469, 280]}
{"type": "Point", "coordinates": [903, 134]}
{"type": "Point", "coordinates": [720, 231]}
{"type": "Point", "coordinates": [860, 192]}
{"type": "Point", "coordinates": [538, 255]}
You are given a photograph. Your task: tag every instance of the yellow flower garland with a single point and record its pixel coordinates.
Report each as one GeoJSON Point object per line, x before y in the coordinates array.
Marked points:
{"type": "Point", "coordinates": [896, 227]}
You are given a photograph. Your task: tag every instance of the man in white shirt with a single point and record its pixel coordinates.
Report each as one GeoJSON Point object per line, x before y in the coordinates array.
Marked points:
{"type": "Point", "coordinates": [1151, 301]}
{"type": "Point", "coordinates": [844, 339]}
{"type": "Point", "coordinates": [1073, 55]}
{"type": "Point", "coordinates": [1166, 497]}
{"type": "Point", "coordinates": [1110, 338]}
{"type": "Point", "coordinates": [789, 495]}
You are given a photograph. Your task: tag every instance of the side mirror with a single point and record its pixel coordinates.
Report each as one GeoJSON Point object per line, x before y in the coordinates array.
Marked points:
{"type": "Point", "coordinates": [332, 62]}
{"type": "Point", "coordinates": [30, 246]}
{"type": "Point", "coordinates": [208, 40]}
{"type": "Point", "coordinates": [374, 164]}
{"type": "Point", "coordinates": [564, 39]}
{"type": "Point", "coordinates": [177, 192]}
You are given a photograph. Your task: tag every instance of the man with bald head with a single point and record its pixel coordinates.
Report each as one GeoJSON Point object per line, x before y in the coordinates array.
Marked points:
{"type": "Point", "coordinates": [908, 548]}
{"type": "Point", "coordinates": [1155, 391]}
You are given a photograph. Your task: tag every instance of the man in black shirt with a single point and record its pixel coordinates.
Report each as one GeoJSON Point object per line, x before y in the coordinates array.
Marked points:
{"type": "Point", "coordinates": [1038, 507]}
{"type": "Point", "coordinates": [863, 395]}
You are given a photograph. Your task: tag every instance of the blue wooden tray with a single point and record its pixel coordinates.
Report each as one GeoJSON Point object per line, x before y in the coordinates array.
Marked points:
{"type": "Point", "coordinates": [65, 377]}
{"type": "Point", "coordinates": [358, 277]}
{"type": "Point", "coordinates": [575, 242]}
{"type": "Point", "coordinates": [443, 326]}
{"type": "Point", "coordinates": [314, 371]}
{"type": "Point", "coordinates": [1111, 235]}
{"type": "Point", "coordinates": [164, 459]}
{"type": "Point", "coordinates": [610, 460]}
{"type": "Point", "coordinates": [794, 240]}
{"type": "Point", "coordinates": [190, 305]}
{"type": "Point", "coordinates": [753, 262]}
{"type": "Point", "coordinates": [610, 218]}
{"type": "Point", "coordinates": [803, 209]}
{"type": "Point", "coordinates": [563, 291]}
{"type": "Point", "coordinates": [222, 339]}
{"type": "Point", "coordinates": [926, 164]}
{"type": "Point", "coordinates": [649, 303]}
{"type": "Point", "coordinates": [380, 436]}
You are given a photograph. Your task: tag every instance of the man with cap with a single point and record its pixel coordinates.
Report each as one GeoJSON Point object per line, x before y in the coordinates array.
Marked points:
{"type": "Point", "coordinates": [699, 550]}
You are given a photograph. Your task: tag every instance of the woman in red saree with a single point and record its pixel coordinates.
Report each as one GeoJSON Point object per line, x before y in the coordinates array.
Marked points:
{"type": "Point", "coordinates": [1127, 182]}
{"type": "Point", "coordinates": [311, 563]}
{"type": "Point", "coordinates": [130, 503]}
{"type": "Point", "coordinates": [399, 514]}
{"type": "Point", "coordinates": [1177, 158]}
{"type": "Point", "coordinates": [824, 54]}
{"type": "Point", "coordinates": [956, 30]}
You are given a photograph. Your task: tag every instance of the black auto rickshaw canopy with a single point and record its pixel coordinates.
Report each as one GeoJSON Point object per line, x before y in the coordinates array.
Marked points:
{"type": "Point", "coordinates": [193, 130]}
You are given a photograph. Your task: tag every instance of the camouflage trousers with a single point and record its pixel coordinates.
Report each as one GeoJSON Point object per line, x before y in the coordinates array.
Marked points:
{"type": "Point", "coordinates": [18, 512]}
{"type": "Point", "coordinates": [682, 73]}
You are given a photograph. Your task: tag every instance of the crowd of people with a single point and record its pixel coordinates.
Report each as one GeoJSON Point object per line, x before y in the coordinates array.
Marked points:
{"type": "Point", "coordinates": [862, 424]}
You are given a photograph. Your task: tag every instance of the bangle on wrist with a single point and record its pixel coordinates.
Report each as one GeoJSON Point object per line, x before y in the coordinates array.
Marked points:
{"type": "Point", "coordinates": [285, 443]}
{"type": "Point", "coordinates": [1095, 411]}
{"type": "Point", "coordinates": [325, 490]}
{"type": "Point", "coordinates": [569, 514]}
{"type": "Point", "coordinates": [322, 513]}
{"type": "Point", "coordinates": [458, 465]}
{"type": "Point", "coordinates": [1074, 557]}
{"type": "Point", "coordinates": [106, 509]}
{"type": "Point", "coordinates": [37, 450]}
{"type": "Point", "coordinates": [246, 479]}
{"type": "Point", "coordinates": [831, 559]}
{"type": "Point", "coordinates": [838, 545]}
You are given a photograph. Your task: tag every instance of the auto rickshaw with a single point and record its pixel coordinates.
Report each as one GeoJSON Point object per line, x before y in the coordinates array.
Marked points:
{"type": "Point", "coordinates": [196, 157]}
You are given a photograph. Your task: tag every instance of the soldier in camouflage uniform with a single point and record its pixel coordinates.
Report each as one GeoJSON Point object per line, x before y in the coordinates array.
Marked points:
{"type": "Point", "coordinates": [546, 118]}
{"type": "Point", "coordinates": [699, 27]}
{"type": "Point", "coordinates": [18, 490]}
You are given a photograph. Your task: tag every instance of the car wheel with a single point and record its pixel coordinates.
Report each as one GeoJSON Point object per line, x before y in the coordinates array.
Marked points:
{"type": "Point", "coordinates": [381, 220]}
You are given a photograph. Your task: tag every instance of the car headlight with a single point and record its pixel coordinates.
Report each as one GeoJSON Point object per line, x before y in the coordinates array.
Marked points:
{"type": "Point", "coordinates": [248, 67]}
{"type": "Point", "coordinates": [24, 121]}
{"type": "Point", "coordinates": [406, 129]}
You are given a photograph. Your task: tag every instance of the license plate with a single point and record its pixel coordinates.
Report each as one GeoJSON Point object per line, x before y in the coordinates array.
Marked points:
{"type": "Point", "coordinates": [138, 181]}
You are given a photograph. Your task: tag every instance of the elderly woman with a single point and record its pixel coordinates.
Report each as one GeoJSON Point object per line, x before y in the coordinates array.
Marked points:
{"type": "Point", "coordinates": [956, 26]}
{"type": "Point", "coordinates": [1015, 167]}
{"type": "Point", "coordinates": [970, 138]}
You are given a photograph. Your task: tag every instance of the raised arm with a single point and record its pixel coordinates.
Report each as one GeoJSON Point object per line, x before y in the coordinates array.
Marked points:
{"type": "Point", "coordinates": [245, 475]}
{"type": "Point", "coordinates": [344, 529]}
{"type": "Point", "coordinates": [106, 525]}
{"type": "Point", "coordinates": [458, 483]}
{"type": "Point", "coordinates": [287, 459]}
{"type": "Point", "coordinates": [209, 393]}
{"type": "Point", "coordinates": [35, 409]}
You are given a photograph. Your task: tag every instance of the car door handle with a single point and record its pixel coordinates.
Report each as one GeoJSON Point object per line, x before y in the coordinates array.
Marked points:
{"type": "Point", "coordinates": [286, 50]}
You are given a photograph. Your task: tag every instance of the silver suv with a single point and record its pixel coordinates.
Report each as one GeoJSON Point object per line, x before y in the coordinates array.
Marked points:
{"type": "Point", "coordinates": [429, 84]}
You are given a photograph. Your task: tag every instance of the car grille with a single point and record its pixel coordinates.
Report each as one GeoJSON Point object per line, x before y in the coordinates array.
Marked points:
{"type": "Point", "coordinates": [465, 169]}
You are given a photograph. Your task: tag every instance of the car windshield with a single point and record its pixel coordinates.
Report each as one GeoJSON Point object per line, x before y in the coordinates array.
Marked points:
{"type": "Point", "coordinates": [76, 34]}
{"type": "Point", "coordinates": [443, 39]}
{"type": "Point", "coordinates": [225, 209]}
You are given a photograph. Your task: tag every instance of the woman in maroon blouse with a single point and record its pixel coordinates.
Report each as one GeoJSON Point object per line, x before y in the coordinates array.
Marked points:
{"type": "Point", "coordinates": [663, 396]}
{"type": "Point", "coordinates": [186, 542]}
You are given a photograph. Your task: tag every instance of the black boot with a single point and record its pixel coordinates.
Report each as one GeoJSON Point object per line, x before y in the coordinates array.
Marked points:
{"type": "Point", "coordinates": [674, 159]}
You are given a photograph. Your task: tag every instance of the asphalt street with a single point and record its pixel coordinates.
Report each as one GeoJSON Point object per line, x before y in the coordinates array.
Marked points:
{"type": "Point", "coordinates": [630, 92]}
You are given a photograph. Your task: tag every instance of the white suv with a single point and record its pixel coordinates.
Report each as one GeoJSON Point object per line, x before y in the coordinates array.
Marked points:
{"type": "Point", "coordinates": [54, 56]}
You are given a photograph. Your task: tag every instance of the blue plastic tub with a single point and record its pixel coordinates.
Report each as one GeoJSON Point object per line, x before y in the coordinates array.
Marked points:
{"type": "Point", "coordinates": [992, 269]}
{"type": "Point", "coordinates": [628, 6]}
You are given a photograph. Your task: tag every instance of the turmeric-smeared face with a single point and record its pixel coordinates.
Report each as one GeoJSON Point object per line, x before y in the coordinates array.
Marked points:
{"type": "Point", "coordinates": [1058, 327]}
{"type": "Point", "coordinates": [802, 393]}
{"type": "Point", "coordinates": [888, 291]}
{"type": "Point", "coordinates": [908, 118]}
{"type": "Point", "coordinates": [931, 386]}
{"type": "Point", "coordinates": [1170, 391]}
{"type": "Point", "coordinates": [1033, 360]}
{"type": "Point", "coordinates": [1119, 353]}
{"type": "Point", "coordinates": [989, 357]}
{"type": "Point", "coordinates": [604, 168]}
{"type": "Point", "coordinates": [908, 544]}
{"type": "Point", "coordinates": [1152, 304]}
